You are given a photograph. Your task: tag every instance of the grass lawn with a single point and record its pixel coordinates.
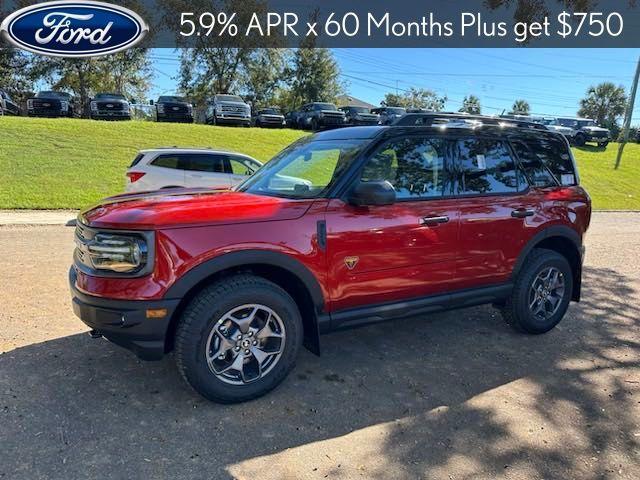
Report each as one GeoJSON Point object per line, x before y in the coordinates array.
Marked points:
{"type": "Point", "coordinates": [70, 163]}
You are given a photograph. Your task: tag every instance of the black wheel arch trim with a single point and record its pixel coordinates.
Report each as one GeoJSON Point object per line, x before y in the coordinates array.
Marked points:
{"type": "Point", "coordinates": [248, 257]}
{"type": "Point", "coordinates": [550, 232]}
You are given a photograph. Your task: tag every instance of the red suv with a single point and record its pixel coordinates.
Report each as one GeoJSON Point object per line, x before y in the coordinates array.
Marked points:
{"type": "Point", "coordinates": [341, 228]}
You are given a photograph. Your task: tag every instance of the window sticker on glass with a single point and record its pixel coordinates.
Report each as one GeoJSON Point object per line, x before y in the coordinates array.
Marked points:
{"type": "Point", "coordinates": [482, 163]}
{"type": "Point", "coordinates": [567, 179]}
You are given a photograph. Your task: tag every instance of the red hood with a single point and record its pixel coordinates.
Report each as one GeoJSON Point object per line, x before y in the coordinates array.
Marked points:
{"type": "Point", "coordinates": [176, 208]}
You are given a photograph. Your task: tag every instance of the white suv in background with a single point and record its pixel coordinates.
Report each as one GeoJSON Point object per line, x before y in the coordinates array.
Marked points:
{"type": "Point", "coordinates": [188, 167]}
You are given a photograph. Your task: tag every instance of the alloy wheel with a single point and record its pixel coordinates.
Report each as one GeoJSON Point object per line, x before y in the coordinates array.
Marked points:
{"type": "Point", "coordinates": [546, 293]}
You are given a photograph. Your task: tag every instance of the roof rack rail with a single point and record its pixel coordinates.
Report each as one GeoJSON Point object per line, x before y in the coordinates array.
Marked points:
{"type": "Point", "coordinates": [437, 118]}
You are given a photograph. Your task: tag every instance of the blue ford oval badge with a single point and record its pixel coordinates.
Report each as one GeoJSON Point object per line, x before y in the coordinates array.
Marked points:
{"type": "Point", "coordinates": [74, 29]}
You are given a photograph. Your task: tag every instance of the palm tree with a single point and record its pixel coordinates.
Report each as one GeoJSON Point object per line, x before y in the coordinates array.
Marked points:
{"type": "Point", "coordinates": [471, 104]}
{"type": "Point", "coordinates": [520, 107]}
{"type": "Point", "coordinates": [605, 103]}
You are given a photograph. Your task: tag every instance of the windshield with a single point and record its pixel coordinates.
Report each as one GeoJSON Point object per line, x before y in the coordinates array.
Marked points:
{"type": "Point", "coordinates": [171, 99]}
{"type": "Point", "coordinates": [586, 123]}
{"type": "Point", "coordinates": [324, 106]}
{"type": "Point", "coordinates": [567, 122]}
{"type": "Point", "coordinates": [115, 96]}
{"type": "Point", "coordinates": [395, 110]}
{"type": "Point", "coordinates": [358, 109]}
{"type": "Point", "coordinates": [305, 169]}
{"type": "Point", "coordinates": [228, 98]}
{"type": "Point", "coordinates": [269, 111]}
{"type": "Point", "coordinates": [60, 95]}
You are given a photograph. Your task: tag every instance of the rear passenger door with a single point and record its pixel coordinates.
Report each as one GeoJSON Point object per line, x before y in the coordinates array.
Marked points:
{"type": "Point", "coordinates": [207, 170]}
{"type": "Point", "coordinates": [496, 208]}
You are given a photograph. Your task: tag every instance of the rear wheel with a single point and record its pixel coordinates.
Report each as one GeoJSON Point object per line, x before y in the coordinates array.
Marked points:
{"type": "Point", "coordinates": [238, 339]}
{"type": "Point", "coordinates": [580, 139]}
{"type": "Point", "coordinates": [541, 293]}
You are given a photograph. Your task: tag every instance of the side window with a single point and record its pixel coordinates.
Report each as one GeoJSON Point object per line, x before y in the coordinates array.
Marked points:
{"type": "Point", "coordinates": [415, 166]}
{"type": "Point", "coordinates": [485, 166]}
{"type": "Point", "coordinates": [166, 161]}
{"type": "Point", "coordinates": [205, 163]}
{"type": "Point", "coordinates": [533, 167]}
{"type": "Point", "coordinates": [241, 167]}
{"type": "Point", "coordinates": [554, 153]}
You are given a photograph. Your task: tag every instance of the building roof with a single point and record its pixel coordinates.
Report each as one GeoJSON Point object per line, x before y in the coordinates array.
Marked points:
{"type": "Point", "coordinates": [348, 100]}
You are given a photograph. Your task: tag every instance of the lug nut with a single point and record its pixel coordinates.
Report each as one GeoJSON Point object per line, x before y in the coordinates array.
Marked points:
{"type": "Point", "coordinates": [255, 342]}
{"type": "Point", "coordinates": [246, 352]}
{"type": "Point", "coordinates": [237, 349]}
{"type": "Point", "coordinates": [221, 356]}
{"type": "Point", "coordinates": [239, 337]}
{"type": "Point", "coordinates": [251, 334]}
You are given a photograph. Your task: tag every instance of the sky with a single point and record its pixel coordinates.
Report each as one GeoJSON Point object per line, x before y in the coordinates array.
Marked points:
{"type": "Point", "coordinates": [552, 80]}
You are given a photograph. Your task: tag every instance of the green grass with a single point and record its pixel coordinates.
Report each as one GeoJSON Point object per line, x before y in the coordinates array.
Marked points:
{"type": "Point", "coordinates": [69, 163]}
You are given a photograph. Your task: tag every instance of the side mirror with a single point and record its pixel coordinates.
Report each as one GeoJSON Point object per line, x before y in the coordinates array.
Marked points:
{"type": "Point", "coordinates": [372, 193]}
{"type": "Point", "coordinates": [151, 102]}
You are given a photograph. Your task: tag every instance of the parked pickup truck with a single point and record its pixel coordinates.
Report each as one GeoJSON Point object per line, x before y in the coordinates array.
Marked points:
{"type": "Point", "coordinates": [342, 228]}
{"type": "Point", "coordinates": [318, 115]}
{"type": "Point", "coordinates": [51, 104]}
{"type": "Point", "coordinates": [228, 109]}
{"type": "Point", "coordinates": [7, 105]}
{"type": "Point", "coordinates": [110, 106]}
{"type": "Point", "coordinates": [173, 109]}
{"type": "Point", "coordinates": [359, 116]}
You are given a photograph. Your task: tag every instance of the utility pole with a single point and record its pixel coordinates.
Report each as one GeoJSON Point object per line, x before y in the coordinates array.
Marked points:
{"type": "Point", "coordinates": [627, 120]}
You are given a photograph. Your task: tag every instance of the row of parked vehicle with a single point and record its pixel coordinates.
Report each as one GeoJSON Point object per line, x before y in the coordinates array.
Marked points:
{"type": "Point", "coordinates": [226, 109]}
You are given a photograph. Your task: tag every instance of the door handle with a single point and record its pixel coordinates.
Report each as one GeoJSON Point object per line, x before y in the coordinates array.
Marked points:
{"type": "Point", "coordinates": [522, 213]}
{"type": "Point", "coordinates": [433, 221]}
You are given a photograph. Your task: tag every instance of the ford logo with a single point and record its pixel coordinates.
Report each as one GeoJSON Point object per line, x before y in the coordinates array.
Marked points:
{"type": "Point", "coordinates": [70, 28]}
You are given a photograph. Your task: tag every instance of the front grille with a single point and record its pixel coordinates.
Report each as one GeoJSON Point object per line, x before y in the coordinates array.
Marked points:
{"type": "Point", "coordinates": [333, 119]}
{"type": "Point", "coordinates": [110, 106]}
{"type": "Point", "coordinates": [46, 104]}
{"type": "Point", "coordinates": [232, 109]}
{"type": "Point", "coordinates": [84, 235]}
{"type": "Point", "coordinates": [174, 109]}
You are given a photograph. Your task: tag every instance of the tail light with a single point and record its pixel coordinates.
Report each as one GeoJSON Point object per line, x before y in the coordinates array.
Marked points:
{"type": "Point", "coordinates": [135, 176]}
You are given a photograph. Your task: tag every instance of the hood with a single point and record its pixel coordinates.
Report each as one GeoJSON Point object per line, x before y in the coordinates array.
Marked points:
{"type": "Point", "coordinates": [333, 112]}
{"type": "Point", "coordinates": [271, 115]}
{"type": "Point", "coordinates": [109, 100]}
{"type": "Point", "coordinates": [49, 97]}
{"type": "Point", "coordinates": [183, 207]}
{"type": "Point", "coordinates": [595, 129]}
{"type": "Point", "coordinates": [559, 128]}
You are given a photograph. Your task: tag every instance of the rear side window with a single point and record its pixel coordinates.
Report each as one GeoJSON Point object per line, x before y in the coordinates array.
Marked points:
{"type": "Point", "coordinates": [206, 163]}
{"type": "Point", "coordinates": [415, 166]}
{"type": "Point", "coordinates": [485, 166]}
{"type": "Point", "coordinates": [534, 168]}
{"type": "Point", "coordinates": [167, 161]}
{"type": "Point", "coordinates": [554, 154]}
{"type": "Point", "coordinates": [136, 160]}
{"type": "Point", "coordinates": [240, 166]}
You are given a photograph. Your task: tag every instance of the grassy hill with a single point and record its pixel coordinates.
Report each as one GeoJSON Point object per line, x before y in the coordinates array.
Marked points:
{"type": "Point", "coordinates": [69, 163]}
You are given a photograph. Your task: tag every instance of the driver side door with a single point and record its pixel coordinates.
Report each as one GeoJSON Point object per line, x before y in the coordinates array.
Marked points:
{"type": "Point", "coordinates": [406, 250]}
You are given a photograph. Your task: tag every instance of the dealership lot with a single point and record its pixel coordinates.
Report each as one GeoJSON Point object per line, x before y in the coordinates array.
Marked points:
{"type": "Point", "coordinates": [458, 395]}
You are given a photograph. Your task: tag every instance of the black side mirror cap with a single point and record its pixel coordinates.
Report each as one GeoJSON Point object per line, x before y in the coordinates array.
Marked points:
{"type": "Point", "coordinates": [372, 193]}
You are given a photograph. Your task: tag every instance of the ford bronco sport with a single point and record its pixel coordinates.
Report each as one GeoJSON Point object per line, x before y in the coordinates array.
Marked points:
{"type": "Point", "coordinates": [384, 222]}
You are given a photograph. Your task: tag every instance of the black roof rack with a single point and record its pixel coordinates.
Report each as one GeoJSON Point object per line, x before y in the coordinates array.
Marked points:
{"type": "Point", "coordinates": [438, 118]}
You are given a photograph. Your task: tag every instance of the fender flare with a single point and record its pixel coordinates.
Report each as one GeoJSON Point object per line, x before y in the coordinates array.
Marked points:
{"type": "Point", "coordinates": [248, 257]}
{"type": "Point", "coordinates": [549, 232]}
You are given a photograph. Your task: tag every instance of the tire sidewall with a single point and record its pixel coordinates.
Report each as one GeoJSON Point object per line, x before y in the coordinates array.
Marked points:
{"type": "Point", "coordinates": [198, 372]}
{"type": "Point", "coordinates": [527, 320]}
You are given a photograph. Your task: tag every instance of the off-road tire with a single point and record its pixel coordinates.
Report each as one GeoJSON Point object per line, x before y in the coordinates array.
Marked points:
{"type": "Point", "coordinates": [515, 310]}
{"type": "Point", "coordinates": [580, 140]}
{"type": "Point", "coordinates": [201, 315]}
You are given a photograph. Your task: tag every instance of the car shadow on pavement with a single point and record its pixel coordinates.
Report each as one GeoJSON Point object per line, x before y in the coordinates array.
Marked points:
{"type": "Point", "coordinates": [459, 392]}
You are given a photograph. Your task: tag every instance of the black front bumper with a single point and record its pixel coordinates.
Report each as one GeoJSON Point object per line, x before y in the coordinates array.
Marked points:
{"type": "Point", "coordinates": [124, 322]}
{"type": "Point", "coordinates": [175, 117]}
{"type": "Point", "coordinates": [110, 115]}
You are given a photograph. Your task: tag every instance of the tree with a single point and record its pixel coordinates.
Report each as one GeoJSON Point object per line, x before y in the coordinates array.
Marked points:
{"type": "Point", "coordinates": [605, 103]}
{"type": "Point", "coordinates": [14, 68]}
{"type": "Point", "coordinates": [471, 104]}
{"type": "Point", "coordinates": [520, 107]}
{"type": "Point", "coordinates": [416, 98]}
{"type": "Point", "coordinates": [265, 71]}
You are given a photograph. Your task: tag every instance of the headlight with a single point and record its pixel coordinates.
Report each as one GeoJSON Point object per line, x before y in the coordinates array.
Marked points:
{"type": "Point", "coordinates": [30, 104]}
{"type": "Point", "coordinates": [64, 105]}
{"type": "Point", "coordinates": [190, 108]}
{"type": "Point", "coordinates": [94, 106]}
{"type": "Point", "coordinates": [117, 253]}
{"type": "Point", "coordinates": [160, 108]}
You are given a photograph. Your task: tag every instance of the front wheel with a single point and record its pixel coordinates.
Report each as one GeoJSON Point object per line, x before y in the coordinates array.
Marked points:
{"type": "Point", "coordinates": [541, 293]}
{"type": "Point", "coordinates": [580, 140]}
{"type": "Point", "coordinates": [603, 144]}
{"type": "Point", "coordinates": [238, 339]}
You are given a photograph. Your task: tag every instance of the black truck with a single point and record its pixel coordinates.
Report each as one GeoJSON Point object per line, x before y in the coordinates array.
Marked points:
{"type": "Point", "coordinates": [51, 103]}
{"type": "Point", "coordinates": [319, 115]}
{"type": "Point", "coordinates": [173, 109]}
{"type": "Point", "coordinates": [109, 106]}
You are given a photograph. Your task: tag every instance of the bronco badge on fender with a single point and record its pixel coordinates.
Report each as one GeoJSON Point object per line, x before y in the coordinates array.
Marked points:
{"type": "Point", "coordinates": [74, 29]}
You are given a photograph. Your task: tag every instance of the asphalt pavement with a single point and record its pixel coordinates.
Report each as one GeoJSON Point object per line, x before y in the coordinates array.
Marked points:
{"type": "Point", "coordinates": [449, 396]}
